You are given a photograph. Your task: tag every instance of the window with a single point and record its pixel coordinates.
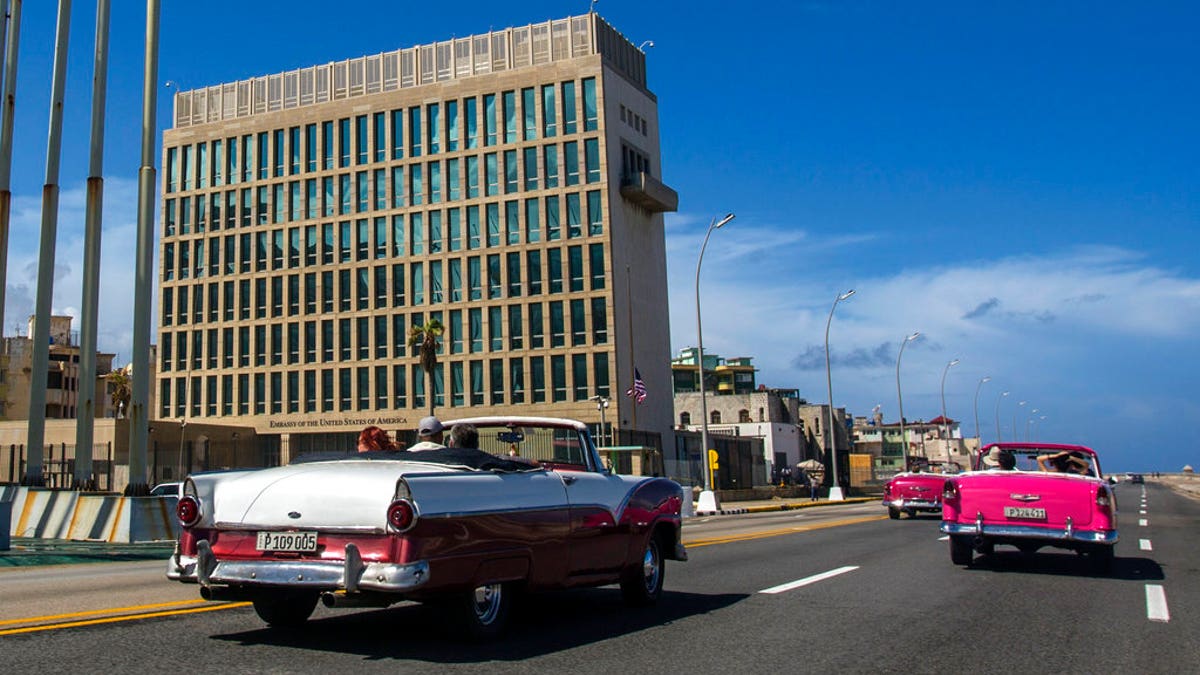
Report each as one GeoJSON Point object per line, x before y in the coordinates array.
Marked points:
{"type": "Point", "coordinates": [579, 376]}
{"type": "Point", "coordinates": [590, 119]}
{"type": "Point", "coordinates": [496, 373]}
{"type": "Point", "coordinates": [510, 116]}
{"type": "Point", "coordinates": [471, 111]}
{"type": "Point", "coordinates": [531, 168]}
{"type": "Point", "coordinates": [495, 329]}
{"type": "Point", "coordinates": [550, 160]}
{"type": "Point", "coordinates": [578, 324]}
{"type": "Point", "coordinates": [549, 114]}
{"type": "Point", "coordinates": [571, 162]}
{"type": "Point", "coordinates": [533, 225]}
{"type": "Point", "coordinates": [557, 335]}
{"type": "Point", "coordinates": [529, 113]}
{"type": "Point", "coordinates": [515, 340]}
{"type": "Point", "coordinates": [599, 321]}
{"type": "Point", "coordinates": [575, 268]}
{"type": "Point", "coordinates": [536, 330]}
{"type": "Point", "coordinates": [685, 419]}
{"type": "Point", "coordinates": [558, 378]}
{"type": "Point", "coordinates": [570, 120]}
{"type": "Point", "coordinates": [595, 215]}
{"type": "Point", "coordinates": [591, 158]}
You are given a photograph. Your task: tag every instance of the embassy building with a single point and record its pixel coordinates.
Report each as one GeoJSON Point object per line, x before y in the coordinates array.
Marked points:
{"type": "Point", "coordinates": [508, 184]}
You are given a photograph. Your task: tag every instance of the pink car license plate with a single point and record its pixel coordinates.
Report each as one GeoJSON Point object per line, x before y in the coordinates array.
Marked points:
{"type": "Point", "coordinates": [1024, 512]}
{"type": "Point", "coordinates": [290, 542]}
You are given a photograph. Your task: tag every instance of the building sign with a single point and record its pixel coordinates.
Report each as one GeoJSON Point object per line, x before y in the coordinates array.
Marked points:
{"type": "Point", "coordinates": [314, 423]}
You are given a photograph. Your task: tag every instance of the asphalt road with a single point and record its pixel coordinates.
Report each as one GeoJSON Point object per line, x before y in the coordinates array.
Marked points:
{"type": "Point", "coordinates": [854, 592]}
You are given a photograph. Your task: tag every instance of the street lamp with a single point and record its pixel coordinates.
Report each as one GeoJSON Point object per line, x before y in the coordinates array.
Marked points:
{"type": "Point", "coordinates": [1017, 433]}
{"type": "Point", "coordinates": [998, 399]}
{"type": "Point", "coordinates": [978, 438]}
{"type": "Point", "coordinates": [1029, 422]}
{"type": "Point", "coordinates": [1028, 438]}
{"type": "Point", "coordinates": [835, 490]}
{"type": "Point", "coordinates": [945, 430]}
{"type": "Point", "coordinates": [900, 396]}
{"type": "Point", "coordinates": [708, 498]}
{"type": "Point", "coordinates": [182, 429]}
{"type": "Point", "coordinates": [601, 405]}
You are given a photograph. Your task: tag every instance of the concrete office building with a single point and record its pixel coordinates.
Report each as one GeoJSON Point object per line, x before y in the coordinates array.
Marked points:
{"type": "Point", "coordinates": [507, 184]}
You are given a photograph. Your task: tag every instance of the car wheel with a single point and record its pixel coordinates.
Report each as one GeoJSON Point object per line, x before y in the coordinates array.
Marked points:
{"type": "Point", "coordinates": [912, 513]}
{"type": "Point", "coordinates": [961, 552]}
{"type": "Point", "coordinates": [986, 548]}
{"type": "Point", "coordinates": [285, 610]}
{"type": "Point", "coordinates": [893, 513]}
{"type": "Point", "coordinates": [483, 612]}
{"type": "Point", "coordinates": [642, 584]}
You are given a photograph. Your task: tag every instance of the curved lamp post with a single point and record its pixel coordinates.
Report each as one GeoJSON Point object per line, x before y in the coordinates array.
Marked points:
{"type": "Point", "coordinates": [900, 397]}
{"type": "Point", "coordinates": [946, 427]}
{"type": "Point", "coordinates": [835, 490]}
{"type": "Point", "coordinates": [1016, 431]}
{"type": "Point", "coordinates": [998, 400]}
{"type": "Point", "coordinates": [1028, 438]}
{"type": "Point", "coordinates": [978, 438]}
{"type": "Point", "coordinates": [708, 498]}
{"type": "Point", "coordinates": [1032, 414]}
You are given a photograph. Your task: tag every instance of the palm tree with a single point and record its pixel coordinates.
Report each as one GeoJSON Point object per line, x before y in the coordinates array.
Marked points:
{"type": "Point", "coordinates": [120, 390]}
{"type": "Point", "coordinates": [426, 339]}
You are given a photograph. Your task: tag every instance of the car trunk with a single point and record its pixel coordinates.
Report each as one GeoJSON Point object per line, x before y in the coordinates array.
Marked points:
{"type": "Point", "coordinates": [1022, 495]}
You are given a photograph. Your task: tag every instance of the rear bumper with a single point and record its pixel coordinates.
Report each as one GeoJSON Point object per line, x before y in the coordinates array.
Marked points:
{"type": "Point", "coordinates": [349, 575]}
{"type": "Point", "coordinates": [915, 504]}
{"type": "Point", "coordinates": [1067, 534]}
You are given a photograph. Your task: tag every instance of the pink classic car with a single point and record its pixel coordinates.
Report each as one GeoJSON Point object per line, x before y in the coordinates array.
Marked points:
{"type": "Point", "coordinates": [1030, 496]}
{"type": "Point", "coordinates": [531, 508]}
{"type": "Point", "coordinates": [917, 490]}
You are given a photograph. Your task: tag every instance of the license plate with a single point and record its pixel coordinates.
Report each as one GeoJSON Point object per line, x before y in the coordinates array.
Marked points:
{"type": "Point", "coordinates": [290, 542]}
{"type": "Point", "coordinates": [1024, 512]}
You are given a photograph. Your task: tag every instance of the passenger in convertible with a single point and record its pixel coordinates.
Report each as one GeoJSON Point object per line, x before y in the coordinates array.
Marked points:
{"type": "Point", "coordinates": [429, 435]}
{"type": "Point", "coordinates": [464, 436]}
{"type": "Point", "coordinates": [1065, 462]}
{"type": "Point", "coordinates": [374, 438]}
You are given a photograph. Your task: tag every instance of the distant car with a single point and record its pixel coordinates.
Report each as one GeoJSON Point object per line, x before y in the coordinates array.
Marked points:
{"type": "Point", "coordinates": [533, 509]}
{"type": "Point", "coordinates": [913, 491]}
{"type": "Point", "coordinates": [1137, 479]}
{"type": "Point", "coordinates": [165, 490]}
{"type": "Point", "coordinates": [1033, 505]}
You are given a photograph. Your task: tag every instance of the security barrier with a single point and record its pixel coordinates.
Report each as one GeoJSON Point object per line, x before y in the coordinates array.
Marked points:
{"type": "Point", "coordinates": [61, 514]}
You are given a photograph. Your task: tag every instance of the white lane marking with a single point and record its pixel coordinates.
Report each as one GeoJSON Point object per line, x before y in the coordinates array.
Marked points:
{"type": "Point", "coordinates": [808, 580]}
{"type": "Point", "coordinates": [1143, 522]}
{"type": "Point", "coordinates": [1142, 512]}
{"type": "Point", "coordinates": [1156, 603]}
{"type": "Point", "coordinates": [1144, 544]}
{"type": "Point", "coordinates": [945, 538]}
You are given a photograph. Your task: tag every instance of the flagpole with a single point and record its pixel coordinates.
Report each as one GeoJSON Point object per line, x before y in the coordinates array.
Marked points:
{"type": "Point", "coordinates": [632, 365]}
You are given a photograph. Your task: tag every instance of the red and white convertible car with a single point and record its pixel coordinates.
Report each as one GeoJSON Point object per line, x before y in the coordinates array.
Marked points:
{"type": "Point", "coordinates": [1030, 496]}
{"type": "Point", "coordinates": [917, 490]}
{"type": "Point", "coordinates": [461, 525]}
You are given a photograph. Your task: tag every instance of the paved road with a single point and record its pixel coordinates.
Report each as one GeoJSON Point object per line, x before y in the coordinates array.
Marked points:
{"type": "Point", "coordinates": [853, 592]}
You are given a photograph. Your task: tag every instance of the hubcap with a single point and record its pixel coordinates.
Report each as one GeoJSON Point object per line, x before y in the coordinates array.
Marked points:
{"type": "Point", "coordinates": [487, 602]}
{"type": "Point", "coordinates": [650, 567]}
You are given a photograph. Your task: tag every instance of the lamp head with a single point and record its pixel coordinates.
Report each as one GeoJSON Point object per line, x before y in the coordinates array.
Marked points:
{"type": "Point", "coordinates": [845, 295]}
{"type": "Point", "coordinates": [914, 336]}
{"type": "Point", "coordinates": [1004, 394]}
{"type": "Point", "coordinates": [952, 363]}
{"type": "Point", "coordinates": [986, 378]}
{"type": "Point", "coordinates": [726, 219]}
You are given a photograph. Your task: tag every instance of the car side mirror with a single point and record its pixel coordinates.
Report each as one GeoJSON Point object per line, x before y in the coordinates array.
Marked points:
{"type": "Point", "coordinates": [1112, 481]}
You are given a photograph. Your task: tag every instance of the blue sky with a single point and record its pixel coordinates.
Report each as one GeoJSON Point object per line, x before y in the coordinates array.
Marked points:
{"type": "Point", "coordinates": [1017, 181]}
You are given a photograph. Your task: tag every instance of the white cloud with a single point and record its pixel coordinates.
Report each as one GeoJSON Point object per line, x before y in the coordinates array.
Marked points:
{"type": "Point", "coordinates": [117, 263]}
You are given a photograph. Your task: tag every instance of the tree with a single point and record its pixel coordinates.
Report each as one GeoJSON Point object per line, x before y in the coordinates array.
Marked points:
{"type": "Point", "coordinates": [425, 338]}
{"type": "Point", "coordinates": [120, 390]}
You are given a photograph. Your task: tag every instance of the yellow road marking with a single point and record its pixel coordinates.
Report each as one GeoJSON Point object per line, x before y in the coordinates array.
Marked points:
{"type": "Point", "coordinates": [115, 619]}
{"type": "Point", "coordinates": [93, 612]}
{"type": "Point", "coordinates": [695, 543]}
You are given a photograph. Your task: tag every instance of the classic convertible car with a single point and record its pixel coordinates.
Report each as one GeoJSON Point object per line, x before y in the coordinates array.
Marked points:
{"type": "Point", "coordinates": [533, 509]}
{"type": "Point", "coordinates": [1053, 495]}
{"type": "Point", "coordinates": [918, 490]}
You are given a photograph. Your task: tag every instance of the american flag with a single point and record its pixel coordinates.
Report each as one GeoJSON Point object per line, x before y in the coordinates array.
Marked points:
{"type": "Point", "coordinates": [638, 391]}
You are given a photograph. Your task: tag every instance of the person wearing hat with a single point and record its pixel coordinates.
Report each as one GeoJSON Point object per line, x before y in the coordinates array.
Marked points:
{"type": "Point", "coordinates": [999, 458]}
{"type": "Point", "coordinates": [429, 435]}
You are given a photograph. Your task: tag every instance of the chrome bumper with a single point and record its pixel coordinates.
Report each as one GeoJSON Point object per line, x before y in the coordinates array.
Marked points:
{"type": "Point", "coordinates": [350, 575]}
{"type": "Point", "coordinates": [914, 504]}
{"type": "Point", "coordinates": [1067, 533]}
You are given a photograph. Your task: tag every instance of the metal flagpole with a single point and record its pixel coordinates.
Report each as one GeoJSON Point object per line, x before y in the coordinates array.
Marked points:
{"type": "Point", "coordinates": [91, 260]}
{"type": "Point", "coordinates": [6, 133]}
{"type": "Point", "coordinates": [139, 415]}
{"type": "Point", "coordinates": [45, 280]}
{"type": "Point", "coordinates": [632, 363]}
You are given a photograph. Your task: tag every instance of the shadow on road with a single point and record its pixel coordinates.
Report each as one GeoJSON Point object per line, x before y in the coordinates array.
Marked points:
{"type": "Point", "coordinates": [541, 624]}
{"type": "Point", "coordinates": [1064, 563]}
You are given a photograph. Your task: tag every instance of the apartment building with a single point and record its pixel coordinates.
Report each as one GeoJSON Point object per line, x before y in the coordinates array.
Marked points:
{"type": "Point", "coordinates": [507, 184]}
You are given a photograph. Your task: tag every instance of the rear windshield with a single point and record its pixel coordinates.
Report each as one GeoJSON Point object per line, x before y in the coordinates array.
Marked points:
{"type": "Point", "coordinates": [1050, 460]}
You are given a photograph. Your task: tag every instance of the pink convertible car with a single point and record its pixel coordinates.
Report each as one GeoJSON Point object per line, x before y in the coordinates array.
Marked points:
{"type": "Point", "coordinates": [917, 490]}
{"type": "Point", "coordinates": [1030, 496]}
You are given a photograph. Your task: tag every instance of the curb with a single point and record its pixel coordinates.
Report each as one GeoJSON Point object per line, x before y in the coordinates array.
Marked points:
{"type": "Point", "coordinates": [785, 506]}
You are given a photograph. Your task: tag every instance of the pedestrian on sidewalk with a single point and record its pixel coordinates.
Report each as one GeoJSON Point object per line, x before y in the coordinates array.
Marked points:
{"type": "Point", "coordinates": [813, 486]}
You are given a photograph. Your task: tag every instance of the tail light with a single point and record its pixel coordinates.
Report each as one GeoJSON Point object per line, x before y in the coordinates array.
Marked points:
{"type": "Point", "coordinates": [188, 511]}
{"type": "Point", "coordinates": [950, 491]}
{"type": "Point", "coordinates": [887, 491]}
{"type": "Point", "coordinates": [401, 515]}
{"type": "Point", "coordinates": [1104, 500]}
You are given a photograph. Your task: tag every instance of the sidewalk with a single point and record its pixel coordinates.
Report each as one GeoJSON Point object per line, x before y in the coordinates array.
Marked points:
{"type": "Point", "coordinates": [767, 505]}
{"type": "Point", "coordinates": [30, 552]}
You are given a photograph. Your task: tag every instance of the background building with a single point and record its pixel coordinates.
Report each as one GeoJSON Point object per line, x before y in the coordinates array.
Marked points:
{"type": "Point", "coordinates": [506, 184]}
